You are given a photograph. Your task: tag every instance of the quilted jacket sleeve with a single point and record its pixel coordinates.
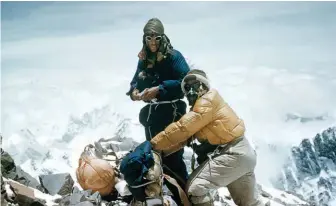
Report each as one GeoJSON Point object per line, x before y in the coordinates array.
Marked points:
{"type": "Point", "coordinates": [188, 125]}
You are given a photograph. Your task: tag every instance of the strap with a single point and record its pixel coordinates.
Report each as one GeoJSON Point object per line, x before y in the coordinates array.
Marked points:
{"type": "Point", "coordinates": [157, 103]}
{"type": "Point", "coordinates": [142, 185]}
{"type": "Point", "coordinates": [163, 102]}
{"type": "Point", "coordinates": [98, 151]}
{"type": "Point", "coordinates": [193, 158]}
{"type": "Point", "coordinates": [183, 196]}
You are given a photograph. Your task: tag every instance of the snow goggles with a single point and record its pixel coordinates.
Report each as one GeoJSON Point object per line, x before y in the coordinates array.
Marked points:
{"type": "Point", "coordinates": [150, 38]}
{"type": "Point", "coordinates": [193, 81]}
{"type": "Point", "coordinates": [194, 86]}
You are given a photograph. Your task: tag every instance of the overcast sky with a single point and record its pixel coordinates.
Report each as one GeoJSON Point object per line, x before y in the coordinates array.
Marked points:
{"type": "Point", "coordinates": [295, 35]}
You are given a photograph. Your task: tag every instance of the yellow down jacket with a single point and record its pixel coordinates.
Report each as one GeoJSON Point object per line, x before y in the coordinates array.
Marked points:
{"type": "Point", "coordinates": [211, 119]}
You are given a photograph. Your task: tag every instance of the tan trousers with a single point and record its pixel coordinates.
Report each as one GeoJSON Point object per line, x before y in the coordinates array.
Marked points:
{"type": "Point", "coordinates": [233, 168]}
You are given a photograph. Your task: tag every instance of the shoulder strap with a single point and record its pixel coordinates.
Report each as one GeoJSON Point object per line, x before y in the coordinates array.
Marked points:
{"type": "Point", "coordinates": [183, 196]}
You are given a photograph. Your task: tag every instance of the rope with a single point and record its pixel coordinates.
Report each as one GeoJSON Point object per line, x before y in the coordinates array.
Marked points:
{"type": "Point", "coordinates": [141, 185]}
{"type": "Point", "coordinates": [157, 103]}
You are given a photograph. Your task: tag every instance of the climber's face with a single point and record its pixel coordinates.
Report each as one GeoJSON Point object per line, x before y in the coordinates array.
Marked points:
{"type": "Point", "coordinates": [153, 42]}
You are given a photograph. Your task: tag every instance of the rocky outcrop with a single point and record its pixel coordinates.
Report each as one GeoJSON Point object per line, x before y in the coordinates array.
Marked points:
{"type": "Point", "coordinates": [24, 195]}
{"type": "Point", "coordinates": [311, 170]}
{"type": "Point", "coordinates": [10, 170]}
{"type": "Point", "coordinates": [57, 183]}
{"type": "Point", "coordinates": [59, 189]}
{"type": "Point", "coordinates": [81, 198]}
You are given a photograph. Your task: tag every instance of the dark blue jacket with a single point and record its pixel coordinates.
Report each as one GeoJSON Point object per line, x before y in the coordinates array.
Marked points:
{"type": "Point", "coordinates": [169, 72]}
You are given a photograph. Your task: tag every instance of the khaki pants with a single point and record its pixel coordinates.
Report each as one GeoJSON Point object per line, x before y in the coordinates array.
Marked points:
{"type": "Point", "coordinates": [233, 168]}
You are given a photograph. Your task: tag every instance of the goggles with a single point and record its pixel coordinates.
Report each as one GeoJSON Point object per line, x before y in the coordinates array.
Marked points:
{"type": "Point", "coordinates": [193, 81]}
{"type": "Point", "coordinates": [194, 86]}
{"type": "Point", "coordinates": [150, 38]}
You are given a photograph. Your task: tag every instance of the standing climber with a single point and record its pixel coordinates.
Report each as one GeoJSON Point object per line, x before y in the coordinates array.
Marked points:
{"type": "Point", "coordinates": [157, 81]}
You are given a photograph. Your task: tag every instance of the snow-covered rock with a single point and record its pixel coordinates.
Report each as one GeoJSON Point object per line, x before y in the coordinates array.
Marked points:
{"type": "Point", "coordinates": [310, 172]}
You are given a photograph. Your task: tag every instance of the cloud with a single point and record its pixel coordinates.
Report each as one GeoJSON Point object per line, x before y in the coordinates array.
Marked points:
{"type": "Point", "coordinates": [244, 33]}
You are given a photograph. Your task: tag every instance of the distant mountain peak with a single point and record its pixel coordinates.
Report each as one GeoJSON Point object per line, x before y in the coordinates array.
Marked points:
{"type": "Point", "coordinates": [311, 169]}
